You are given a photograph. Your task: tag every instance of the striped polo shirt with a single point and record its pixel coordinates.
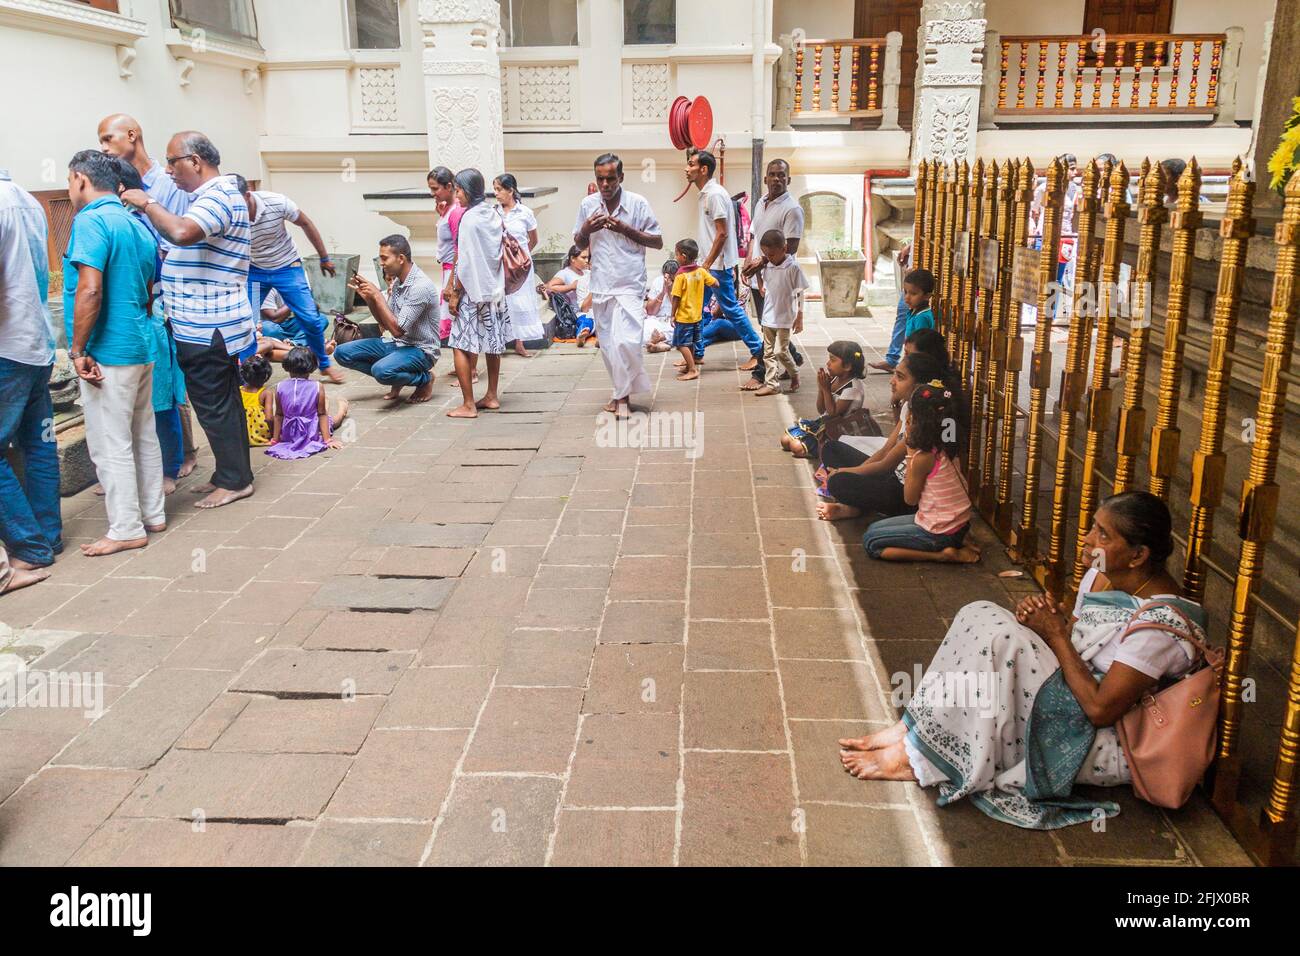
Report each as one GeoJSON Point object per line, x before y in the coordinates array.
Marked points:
{"type": "Point", "coordinates": [205, 285]}
{"type": "Point", "coordinates": [273, 248]}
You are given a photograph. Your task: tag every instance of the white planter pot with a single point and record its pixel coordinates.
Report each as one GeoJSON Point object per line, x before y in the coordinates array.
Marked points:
{"type": "Point", "coordinates": [841, 284]}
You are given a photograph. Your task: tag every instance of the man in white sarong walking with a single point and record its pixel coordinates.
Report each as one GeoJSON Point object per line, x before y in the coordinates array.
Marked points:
{"type": "Point", "coordinates": [618, 226]}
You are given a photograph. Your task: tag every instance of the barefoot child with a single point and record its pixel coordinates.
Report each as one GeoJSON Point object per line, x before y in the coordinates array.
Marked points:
{"type": "Point", "coordinates": [303, 425]}
{"type": "Point", "coordinates": [659, 309]}
{"type": "Point", "coordinates": [688, 304]}
{"type": "Point", "coordinates": [259, 402]}
{"type": "Point", "coordinates": [934, 483]}
{"type": "Point", "coordinates": [839, 392]}
{"type": "Point", "coordinates": [783, 285]}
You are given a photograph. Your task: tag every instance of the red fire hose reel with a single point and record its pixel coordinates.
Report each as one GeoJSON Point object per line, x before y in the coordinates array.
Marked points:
{"type": "Point", "coordinates": [690, 126]}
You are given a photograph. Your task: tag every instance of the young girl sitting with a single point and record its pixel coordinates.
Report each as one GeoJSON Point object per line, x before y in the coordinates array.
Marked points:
{"type": "Point", "coordinates": [303, 426]}
{"type": "Point", "coordinates": [659, 309]}
{"type": "Point", "coordinates": [839, 392]}
{"type": "Point", "coordinates": [933, 483]}
{"type": "Point", "coordinates": [259, 403]}
{"type": "Point", "coordinates": [865, 475]}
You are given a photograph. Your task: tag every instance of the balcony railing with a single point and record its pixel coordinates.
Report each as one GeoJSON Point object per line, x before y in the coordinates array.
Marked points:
{"type": "Point", "coordinates": [820, 80]}
{"type": "Point", "coordinates": [1042, 77]}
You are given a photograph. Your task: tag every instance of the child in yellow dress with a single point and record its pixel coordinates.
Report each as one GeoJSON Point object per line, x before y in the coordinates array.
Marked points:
{"type": "Point", "coordinates": [259, 401]}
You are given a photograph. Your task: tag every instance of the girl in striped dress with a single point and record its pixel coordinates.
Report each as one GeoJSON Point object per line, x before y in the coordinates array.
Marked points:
{"type": "Point", "coordinates": [933, 483]}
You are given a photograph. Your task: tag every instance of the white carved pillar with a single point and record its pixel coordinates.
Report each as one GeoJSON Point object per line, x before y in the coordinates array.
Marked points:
{"type": "Point", "coordinates": [893, 79]}
{"type": "Point", "coordinates": [462, 84]}
{"type": "Point", "coordinates": [951, 72]}
{"type": "Point", "coordinates": [1229, 68]}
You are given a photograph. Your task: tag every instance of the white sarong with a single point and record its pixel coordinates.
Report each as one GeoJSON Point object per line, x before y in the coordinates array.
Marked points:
{"type": "Point", "coordinates": [619, 323]}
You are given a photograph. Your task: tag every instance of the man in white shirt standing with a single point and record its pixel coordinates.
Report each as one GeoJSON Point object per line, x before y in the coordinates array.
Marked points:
{"type": "Point", "coordinates": [780, 211]}
{"type": "Point", "coordinates": [275, 264]}
{"type": "Point", "coordinates": [618, 226]}
{"type": "Point", "coordinates": [719, 247]}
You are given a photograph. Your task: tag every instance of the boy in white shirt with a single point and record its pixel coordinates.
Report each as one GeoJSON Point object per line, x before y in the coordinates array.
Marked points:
{"type": "Point", "coordinates": [784, 283]}
{"type": "Point", "coordinates": [659, 309]}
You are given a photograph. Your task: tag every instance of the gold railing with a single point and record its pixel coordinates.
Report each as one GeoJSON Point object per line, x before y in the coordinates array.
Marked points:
{"type": "Point", "coordinates": [836, 79]}
{"type": "Point", "coordinates": [1110, 73]}
{"type": "Point", "coordinates": [972, 233]}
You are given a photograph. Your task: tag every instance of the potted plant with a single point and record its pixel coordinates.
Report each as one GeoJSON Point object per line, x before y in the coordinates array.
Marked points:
{"type": "Point", "coordinates": [549, 256]}
{"type": "Point", "coordinates": [841, 269]}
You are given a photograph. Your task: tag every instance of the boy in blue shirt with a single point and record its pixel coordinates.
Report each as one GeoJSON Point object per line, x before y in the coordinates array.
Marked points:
{"type": "Point", "coordinates": [918, 286]}
{"type": "Point", "coordinates": [108, 275]}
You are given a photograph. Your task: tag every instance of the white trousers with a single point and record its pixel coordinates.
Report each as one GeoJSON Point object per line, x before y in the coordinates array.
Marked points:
{"type": "Point", "coordinates": [620, 325]}
{"type": "Point", "coordinates": [123, 445]}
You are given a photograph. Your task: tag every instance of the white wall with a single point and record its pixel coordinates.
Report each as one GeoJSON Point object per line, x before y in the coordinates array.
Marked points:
{"type": "Point", "coordinates": [818, 19]}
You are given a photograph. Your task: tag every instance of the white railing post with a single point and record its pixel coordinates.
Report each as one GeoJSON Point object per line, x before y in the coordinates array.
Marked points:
{"type": "Point", "coordinates": [1229, 68]}
{"type": "Point", "coordinates": [893, 78]}
{"type": "Point", "coordinates": [784, 83]}
{"type": "Point", "coordinates": [992, 76]}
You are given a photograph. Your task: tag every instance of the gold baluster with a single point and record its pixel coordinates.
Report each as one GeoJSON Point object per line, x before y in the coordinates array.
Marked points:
{"type": "Point", "coordinates": [853, 83]}
{"type": "Point", "coordinates": [987, 179]}
{"type": "Point", "coordinates": [944, 275]}
{"type": "Point", "coordinates": [1007, 178]}
{"type": "Point", "coordinates": [1259, 499]}
{"type": "Point", "coordinates": [1073, 381]}
{"type": "Point", "coordinates": [1097, 77]}
{"type": "Point", "coordinates": [1099, 394]}
{"type": "Point", "coordinates": [1216, 57]}
{"type": "Point", "coordinates": [958, 341]}
{"type": "Point", "coordinates": [1078, 74]}
{"type": "Point", "coordinates": [835, 78]}
{"type": "Point", "coordinates": [873, 76]}
{"type": "Point", "coordinates": [1174, 71]}
{"type": "Point", "coordinates": [1060, 74]}
{"type": "Point", "coordinates": [1024, 69]}
{"type": "Point", "coordinates": [932, 202]}
{"type": "Point", "coordinates": [1040, 367]}
{"type": "Point", "coordinates": [798, 77]}
{"type": "Point", "coordinates": [1139, 50]}
{"type": "Point", "coordinates": [969, 283]}
{"type": "Point", "coordinates": [1183, 223]}
{"type": "Point", "coordinates": [1196, 73]}
{"type": "Point", "coordinates": [1002, 76]}
{"type": "Point", "coordinates": [1278, 821]}
{"type": "Point", "coordinates": [1130, 435]}
{"type": "Point", "coordinates": [1154, 102]}
{"type": "Point", "coordinates": [1209, 462]}
{"type": "Point", "coordinates": [1119, 68]}
{"type": "Point", "coordinates": [1014, 359]}
{"type": "Point", "coordinates": [1042, 74]}
{"type": "Point", "coordinates": [919, 237]}
{"type": "Point", "coordinates": [817, 77]}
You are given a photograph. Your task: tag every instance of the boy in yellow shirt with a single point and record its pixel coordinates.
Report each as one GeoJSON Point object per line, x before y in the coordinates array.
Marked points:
{"type": "Point", "coordinates": [688, 304]}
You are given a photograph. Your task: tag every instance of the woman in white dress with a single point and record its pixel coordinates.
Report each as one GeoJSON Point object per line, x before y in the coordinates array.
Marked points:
{"type": "Point", "coordinates": [525, 311]}
{"type": "Point", "coordinates": [1018, 706]}
{"type": "Point", "coordinates": [481, 321]}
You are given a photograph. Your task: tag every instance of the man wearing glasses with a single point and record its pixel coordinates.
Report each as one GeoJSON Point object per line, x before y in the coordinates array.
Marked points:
{"type": "Point", "coordinates": [205, 290]}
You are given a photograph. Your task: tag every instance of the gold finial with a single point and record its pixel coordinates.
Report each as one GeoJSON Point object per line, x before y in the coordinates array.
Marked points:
{"type": "Point", "coordinates": [1189, 186]}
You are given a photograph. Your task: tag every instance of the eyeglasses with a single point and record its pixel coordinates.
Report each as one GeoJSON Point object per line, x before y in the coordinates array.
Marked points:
{"type": "Point", "coordinates": [173, 160]}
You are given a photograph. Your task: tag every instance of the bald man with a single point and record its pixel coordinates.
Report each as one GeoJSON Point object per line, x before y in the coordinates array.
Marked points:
{"type": "Point", "coordinates": [120, 135]}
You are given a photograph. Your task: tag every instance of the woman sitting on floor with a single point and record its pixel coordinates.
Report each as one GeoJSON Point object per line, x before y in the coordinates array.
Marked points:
{"type": "Point", "coordinates": [1076, 673]}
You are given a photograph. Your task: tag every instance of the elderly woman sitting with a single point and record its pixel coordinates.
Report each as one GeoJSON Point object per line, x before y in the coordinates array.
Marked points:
{"type": "Point", "coordinates": [968, 727]}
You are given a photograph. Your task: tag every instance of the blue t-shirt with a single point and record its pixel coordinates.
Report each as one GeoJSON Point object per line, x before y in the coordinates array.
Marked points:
{"type": "Point", "coordinates": [108, 238]}
{"type": "Point", "coordinates": [919, 320]}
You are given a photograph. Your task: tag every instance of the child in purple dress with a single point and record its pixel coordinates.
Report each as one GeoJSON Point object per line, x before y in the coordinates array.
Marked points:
{"type": "Point", "coordinates": [303, 425]}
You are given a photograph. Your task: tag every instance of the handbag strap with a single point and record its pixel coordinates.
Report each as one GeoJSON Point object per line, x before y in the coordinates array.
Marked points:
{"type": "Point", "coordinates": [1187, 632]}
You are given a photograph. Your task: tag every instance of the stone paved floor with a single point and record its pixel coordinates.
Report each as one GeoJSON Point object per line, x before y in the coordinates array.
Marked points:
{"type": "Point", "coordinates": [500, 642]}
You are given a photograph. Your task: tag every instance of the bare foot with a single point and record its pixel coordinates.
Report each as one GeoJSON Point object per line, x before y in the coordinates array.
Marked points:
{"type": "Point", "coordinates": [156, 528]}
{"type": "Point", "coordinates": [881, 738]}
{"type": "Point", "coordinates": [794, 383]}
{"type": "Point", "coordinates": [187, 466]}
{"type": "Point", "coordinates": [422, 394]}
{"type": "Point", "coordinates": [333, 374]}
{"type": "Point", "coordinates": [109, 546]}
{"type": "Point", "coordinates": [97, 490]}
{"type": "Point", "coordinates": [966, 554]}
{"type": "Point", "coordinates": [610, 406]}
{"type": "Point", "coordinates": [204, 489]}
{"type": "Point", "coordinates": [749, 366]}
{"type": "Point", "coordinates": [22, 565]}
{"type": "Point", "coordinates": [520, 350]}
{"type": "Point", "coordinates": [889, 763]}
{"type": "Point", "coordinates": [393, 394]}
{"type": "Point", "coordinates": [169, 485]}
{"type": "Point", "coordinates": [766, 390]}
{"type": "Point", "coordinates": [488, 403]}
{"type": "Point", "coordinates": [751, 385]}
{"type": "Point", "coordinates": [582, 338]}
{"type": "Point", "coordinates": [221, 497]}
{"type": "Point", "coordinates": [689, 376]}
{"type": "Point", "coordinates": [463, 411]}
{"type": "Point", "coordinates": [880, 366]}
{"type": "Point", "coordinates": [24, 578]}
{"type": "Point", "coordinates": [834, 511]}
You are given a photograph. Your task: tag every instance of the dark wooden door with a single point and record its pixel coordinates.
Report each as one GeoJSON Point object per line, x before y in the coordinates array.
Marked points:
{"type": "Point", "coordinates": [1134, 16]}
{"type": "Point", "coordinates": [877, 18]}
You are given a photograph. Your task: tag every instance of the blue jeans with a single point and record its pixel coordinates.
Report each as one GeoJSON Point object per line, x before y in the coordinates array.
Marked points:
{"type": "Point", "coordinates": [171, 440]}
{"type": "Point", "coordinates": [902, 531]}
{"type": "Point", "coordinates": [732, 314]}
{"type": "Point", "coordinates": [386, 362]}
{"type": "Point", "coordinates": [288, 332]}
{"type": "Point", "coordinates": [291, 282]}
{"type": "Point", "coordinates": [895, 353]}
{"type": "Point", "coordinates": [31, 525]}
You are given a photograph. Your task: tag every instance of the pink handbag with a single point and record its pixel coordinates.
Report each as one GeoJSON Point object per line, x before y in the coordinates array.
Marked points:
{"type": "Point", "coordinates": [1168, 736]}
